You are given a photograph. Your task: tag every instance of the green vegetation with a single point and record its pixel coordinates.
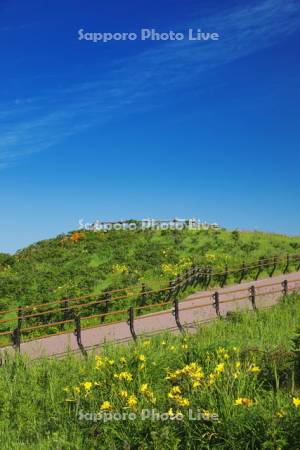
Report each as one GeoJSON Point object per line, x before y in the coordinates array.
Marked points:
{"type": "Point", "coordinates": [240, 378]}
{"type": "Point", "coordinates": [87, 262]}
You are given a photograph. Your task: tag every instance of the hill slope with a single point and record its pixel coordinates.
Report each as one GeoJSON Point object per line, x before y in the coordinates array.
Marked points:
{"type": "Point", "coordinates": [86, 262]}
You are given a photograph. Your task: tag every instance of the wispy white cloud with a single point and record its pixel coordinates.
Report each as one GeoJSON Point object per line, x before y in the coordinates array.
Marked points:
{"type": "Point", "coordinates": [138, 83]}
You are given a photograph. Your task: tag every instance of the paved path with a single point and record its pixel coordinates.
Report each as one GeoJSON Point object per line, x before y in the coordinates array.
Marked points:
{"type": "Point", "coordinates": [196, 308]}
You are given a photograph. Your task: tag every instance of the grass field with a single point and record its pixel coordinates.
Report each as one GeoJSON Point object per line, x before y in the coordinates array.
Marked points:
{"type": "Point", "coordinates": [87, 263]}
{"type": "Point", "coordinates": [233, 384]}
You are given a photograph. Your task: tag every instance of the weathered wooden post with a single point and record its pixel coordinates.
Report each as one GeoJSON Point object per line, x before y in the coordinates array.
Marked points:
{"type": "Point", "coordinates": [216, 303]}
{"type": "Point", "coordinates": [130, 323]}
{"type": "Point", "coordinates": [175, 313]}
{"type": "Point", "coordinates": [77, 333]}
{"type": "Point", "coordinates": [252, 297]}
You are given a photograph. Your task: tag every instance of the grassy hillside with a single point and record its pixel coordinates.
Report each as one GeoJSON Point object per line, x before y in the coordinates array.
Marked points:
{"type": "Point", "coordinates": [240, 378]}
{"type": "Point", "coordinates": [87, 262]}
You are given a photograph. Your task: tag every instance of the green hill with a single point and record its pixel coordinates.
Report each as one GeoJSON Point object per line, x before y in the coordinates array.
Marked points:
{"type": "Point", "coordinates": [87, 262]}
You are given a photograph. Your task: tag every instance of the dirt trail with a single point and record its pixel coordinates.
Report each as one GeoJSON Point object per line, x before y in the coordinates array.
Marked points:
{"type": "Point", "coordinates": [196, 308]}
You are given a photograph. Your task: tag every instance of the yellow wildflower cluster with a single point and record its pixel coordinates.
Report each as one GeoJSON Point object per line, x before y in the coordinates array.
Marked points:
{"type": "Point", "coordinates": [123, 393]}
{"type": "Point", "coordinates": [123, 376]}
{"type": "Point", "coordinates": [183, 264]}
{"type": "Point", "coordinates": [192, 370]}
{"type": "Point", "coordinates": [210, 257]}
{"type": "Point", "coordinates": [296, 402]}
{"type": "Point", "coordinates": [132, 401]}
{"type": "Point", "coordinates": [222, 353]}
{"type": "Point", "coordinates": [170, 269]}
{"type": "Point", "coordinates": [175, 394]}
{"type": "Point", "coordinates": [120, 268]}
{"type": "Point", "coordinates": [102, 361]}
{"type": "Point", "coordinates": [147, 392]}
{"type": "Point", "coordinates": [106, 406]}
{"type": "Point", "coordinates": [173, 415]}
{"type": "Point", "coordinates": [243, 401]}
{"type": "Point", "coordinates": [87, 386]}
{"type": "Point", "coordinates": [73, 393]}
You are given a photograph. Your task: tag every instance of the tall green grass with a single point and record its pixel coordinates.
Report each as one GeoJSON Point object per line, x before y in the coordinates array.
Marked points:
{"type": "Point", "coordinates": [241, 376]}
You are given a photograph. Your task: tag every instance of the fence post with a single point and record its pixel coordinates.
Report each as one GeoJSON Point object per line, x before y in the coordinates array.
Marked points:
{"type": "Point", "coordinates": [130, 322]}
{"type": "Point", "coordinates": [195, 276]}
{"type": "Point", "coordinates": [16, 339]}
{"type": "Point", "coordinates": [107, 298]}
{"type": "Point", "coordinates": [287, 264]}
{"type": "Point", "coordinates": [285, 287]}
{"type": "Point", "coordinates": [252, 297]}
{"type": "Point", "coordinates": [20, 316]}
{"type": "Point", "coordinates": [208, 277]}
{"type": "Point", "coordinates": [171, 289]}
{"type": "Point", "coordinates": [216, 303]}
{"type": "Point", "coordinates": [143, 296]}
{"type": "Point", "coordinates": [175, 313]}
{"type": "Point", "coordinates": [274, 267]}
{"type": "Point", "coordinates": [225, 276]}
{"type": "Point", "coordinates": [298, 268]}
{"type": "Point", "coordinates": [199, 275]}
{"type": "Point", "coordinates": [260, 268]}
{"type": "Point", "coordinates": [77, 333]}
{"type": "Point", "coordinates": [177, 285]}
{"type": "Point", "coordinates": [16, 334]}
{"type": "Point", "coordinates": [243, 272]}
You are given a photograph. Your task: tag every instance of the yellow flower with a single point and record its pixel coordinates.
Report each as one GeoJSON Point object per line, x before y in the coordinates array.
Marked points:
{"type": "Point", "coordinates": [126, 376]}
{"type": "Point", "coordinates": [99, 362]}
{"type": "Point", "coordinates": [196, 384]}
{"type": "Point", "coordinates": [172, 348]}
{"type": "Point", "coordinates": [237, 365]}
{"type": "Point", "coordinates": [111, 362]}
{"type": "Point", "coordinates": [206, 414]}
{"type": "Point", "coordinates": [163, 343]}
{"type": "Point", "coordinates": [296, 401]}
{"type": "Point", "coordinates": [184, 346]}
{"type": "Point", "coordinates": [182, 401]}
{"type": "Point", "coordinates": [87, 386]}
{"type": "Point", "coordinates": [123, 360]}
{"type": "Point", "coordinates": [106, 406]}
{"type": "Point", "coordinates": [220, 368]}
{"type": "Point", "coordinates": [146, 343]}
{"type": "Point", "coordinates": [212, 378]}
{"type": "Point", "coordinates": [141, 366]}
{"type": "Point", "coordinates": [192, 370]}
{"type": "Point", "coordinates": [144, 388]}
{"type": "Point", "coordinates": [146, 391]}
{"type": "Point", "coordinates": [132, 401]}
{"type": "Point", "coordinates": [243, 401]}
{"type": "Point", "coordinates": [280, 414]}
{"type": "Point", "coordinates": [171, 412]}
{"type": "Point", "coordinates": [123, 394]}
{"type": "Point", "coordinates": [175, 390]}
{"type": "Point", "coordinates": [254, 369]}
{"type": "Point", "coordinates": [142, 358]}
{"type": "Point", "coordinates": [120, 268]}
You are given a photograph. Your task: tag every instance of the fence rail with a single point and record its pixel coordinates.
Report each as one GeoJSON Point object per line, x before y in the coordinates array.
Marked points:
{"type": "Point", "coordinates": [68, 312]}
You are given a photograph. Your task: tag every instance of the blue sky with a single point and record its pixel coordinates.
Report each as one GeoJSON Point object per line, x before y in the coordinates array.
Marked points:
{"type": "Point", "coordinates": [148, 128]}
